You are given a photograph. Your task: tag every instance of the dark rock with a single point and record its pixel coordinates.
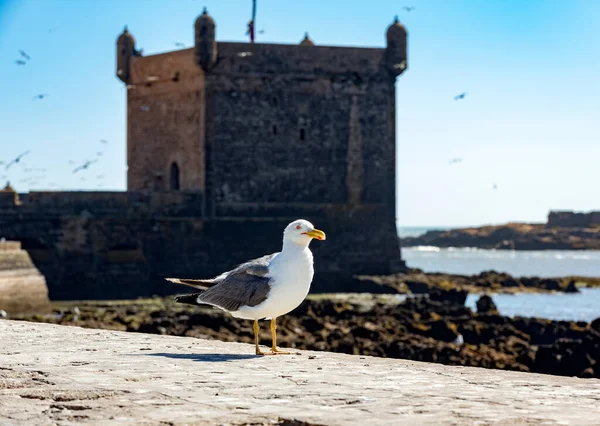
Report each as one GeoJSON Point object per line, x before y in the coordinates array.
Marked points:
{"type": "Point", "coordinates": [453, 296]}
{"type": "Point", "coordinates": [595, 325]}
{"type": "Point", "coordinates": [486, 305]}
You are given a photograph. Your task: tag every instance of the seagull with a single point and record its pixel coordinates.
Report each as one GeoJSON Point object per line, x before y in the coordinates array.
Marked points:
{"type": "Point", "coordinates": [20, 62]}
{"type": "Point", "coordinates": [40, 96]}
{"type": "Point", "coordinates": [263, 288]}
{"type": "Point", "coordinates": [25, 55]}
{"type": "Point", "coordinates": [84, 166]}
{"type": "Point", "coordinates": [461, 96]}
{"type": "Point", "coordinates": [17, 159]}
{"type": "Point", "coordinates": [408, 8]}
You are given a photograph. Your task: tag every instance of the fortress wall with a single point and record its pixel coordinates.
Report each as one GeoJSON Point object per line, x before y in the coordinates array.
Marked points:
{"type": "Point", "coordinates": [172, 203]}
{"type": "Point", "coordinates": [125, 256]}
{"type": "Point", "coordinates": [569, 219]}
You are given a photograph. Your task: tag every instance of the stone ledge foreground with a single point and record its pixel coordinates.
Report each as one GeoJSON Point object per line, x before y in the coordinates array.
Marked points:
{"type": "Point", "coordinates": [53, 374]}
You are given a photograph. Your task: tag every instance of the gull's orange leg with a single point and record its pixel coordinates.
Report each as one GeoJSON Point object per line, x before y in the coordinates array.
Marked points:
{"type": "Point", "coordinates": [274, 349]}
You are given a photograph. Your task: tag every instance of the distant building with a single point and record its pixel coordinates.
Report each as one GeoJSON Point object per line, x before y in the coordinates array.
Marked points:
{"type": "Point", "coordinates": [226, 143]}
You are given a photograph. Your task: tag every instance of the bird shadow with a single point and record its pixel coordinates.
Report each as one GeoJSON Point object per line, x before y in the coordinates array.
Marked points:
{"type": "Point", "coordinates": [208, 357]}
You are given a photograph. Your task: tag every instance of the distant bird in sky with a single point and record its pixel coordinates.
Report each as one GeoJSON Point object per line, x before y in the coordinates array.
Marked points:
{"type": "Point", "coordinates": [408, 8]}
{"type": "Point", "coordinates": [461, 96]}
{"type": "Point", "coordinates": [25, 55]}
{"type": "Point", "coordinates": [40, 96]}
{"type": "Point", "coordinates": [103, 141]}
{"type": "Point", "coordinates": [495, 186]}
{"type": "Point", "coordinates": [455, 161]}
{"type": "Point", "coordinates": [17, 159]}
{"type": "Point", "coordinates": [84, 166]}
{"type": "Point", "coordinates": [261, 32]}
{"type": "Point", "coordinates": [53, 30]}
{"type": "Point", "coordinates": [179, 44]}
{"type": "Point", "coordinates": [20, 62]}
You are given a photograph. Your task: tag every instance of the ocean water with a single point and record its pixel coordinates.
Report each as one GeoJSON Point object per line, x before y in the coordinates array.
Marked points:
{"type": "Point", "coordinates": [584, 306]}
{"type": "Point", "coordinates": [468, 261]}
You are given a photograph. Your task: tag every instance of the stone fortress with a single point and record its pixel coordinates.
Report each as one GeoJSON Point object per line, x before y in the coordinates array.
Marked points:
{"type": "Point", "coordinates": [227, 142]}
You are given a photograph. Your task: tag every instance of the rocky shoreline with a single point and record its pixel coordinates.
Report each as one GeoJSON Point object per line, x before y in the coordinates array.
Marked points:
{"type": "Point", "coordinates": [415, 281]}
{"type": "Point", "coordinates": [512, 236]}
{"type": "Point", "coordinates": [435, 328]}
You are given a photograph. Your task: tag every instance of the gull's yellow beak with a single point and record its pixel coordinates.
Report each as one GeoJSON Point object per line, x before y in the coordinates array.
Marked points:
{"type": "Point", "coordinates": [316, 233]}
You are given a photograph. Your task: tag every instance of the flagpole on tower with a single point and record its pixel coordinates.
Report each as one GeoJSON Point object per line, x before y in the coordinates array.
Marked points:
{"type": "Point", "coordinates": [252, 23]}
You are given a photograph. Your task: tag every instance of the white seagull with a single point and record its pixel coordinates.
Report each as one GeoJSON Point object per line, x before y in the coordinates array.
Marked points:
{"type": "Point", "coordinates": [263, 288]}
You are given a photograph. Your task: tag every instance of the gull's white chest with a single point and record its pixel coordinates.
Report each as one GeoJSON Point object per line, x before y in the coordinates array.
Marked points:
{"type": "Point", "coordinates": [292, 274]}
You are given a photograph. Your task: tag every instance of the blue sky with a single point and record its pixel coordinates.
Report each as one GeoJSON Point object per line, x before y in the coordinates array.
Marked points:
{"type": "Point", "coordinates": [530, 123]}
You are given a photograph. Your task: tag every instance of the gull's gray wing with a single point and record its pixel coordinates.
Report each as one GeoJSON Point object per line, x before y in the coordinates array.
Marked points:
{"type": "Point", "coordinates": [246, 285]}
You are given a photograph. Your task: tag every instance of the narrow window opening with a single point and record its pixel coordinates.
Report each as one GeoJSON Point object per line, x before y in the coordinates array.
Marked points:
{"type": "Point", "coordinates": [274, 129]}
{"type": "Point", "coordinates": [302, 134]}
{"type": "Point", "coordinates": [174, 177]}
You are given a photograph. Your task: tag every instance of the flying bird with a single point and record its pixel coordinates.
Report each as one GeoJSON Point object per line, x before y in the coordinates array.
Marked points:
{"type": "Point", "coordinates": [25, 55]}
{"type": "Point", "coordinates": [263, 288]}
{"type": "Point", "coordinates": [495, 186]}
{"type": "Point", "coordinates": [40, 96]}
{"type": "Point", "coordinates": [17, 159]}
{"type": "Point", "coordinates": [461, 96]}
{"type": "Point", "coordinates": [104, 141]}
{"type": "Point", "coordinates": [455, 160]}
{"type": "Point", "coordinates": [20, 62]}
{"type": "Point", "coordinates": [408, 8]}
{"type": "Point", "coordinates": [84, 166]}
{"type": "Point", "coordinates": [179, 44]}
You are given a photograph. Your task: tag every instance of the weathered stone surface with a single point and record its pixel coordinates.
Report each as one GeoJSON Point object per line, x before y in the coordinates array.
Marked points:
{"type": "Point", "coordinates": [56, 374]}
{"type": "Point", "coordinates": [22, 287]}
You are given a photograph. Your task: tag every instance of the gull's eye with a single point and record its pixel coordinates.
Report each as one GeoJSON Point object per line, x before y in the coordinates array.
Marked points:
{"type": "Point", "coordinates": [298, 227]}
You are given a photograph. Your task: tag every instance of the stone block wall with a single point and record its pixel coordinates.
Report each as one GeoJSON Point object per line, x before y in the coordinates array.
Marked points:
{"type": "Point", "coordinates": [22, 287]}
{"type": "Point", "coordinates": [569, 219]}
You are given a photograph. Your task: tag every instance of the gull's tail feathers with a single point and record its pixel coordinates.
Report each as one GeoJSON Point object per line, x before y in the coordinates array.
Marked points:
{"type": "Point", "coordinates": [190, 299]}
{"type": "Point", "coordinates": [199, 284]}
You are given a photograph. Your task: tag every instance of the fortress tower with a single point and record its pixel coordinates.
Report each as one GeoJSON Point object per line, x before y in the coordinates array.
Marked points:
{"type": "Point", "coordinates": [267, 127]}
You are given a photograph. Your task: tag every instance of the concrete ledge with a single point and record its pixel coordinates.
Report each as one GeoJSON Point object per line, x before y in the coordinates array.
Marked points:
{"type": "Point", "coordinates": [53, 374]}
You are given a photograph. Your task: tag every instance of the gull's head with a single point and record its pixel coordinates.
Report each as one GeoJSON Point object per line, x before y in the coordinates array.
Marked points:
{"type": "Point", "coordinates": [302, 232]}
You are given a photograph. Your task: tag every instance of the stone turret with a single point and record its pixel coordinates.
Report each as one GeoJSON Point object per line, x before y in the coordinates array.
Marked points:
{"type": "Point", "coordinates": [205, 43]}
{"type": "Point", "coordinates": [8, 196]}
{"type": "Point", "coordinates": [307, 41]}
{"type": "Point", "coordinates": [125, 50]}
{"type": "Point", "coordinates": [395, 54]}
